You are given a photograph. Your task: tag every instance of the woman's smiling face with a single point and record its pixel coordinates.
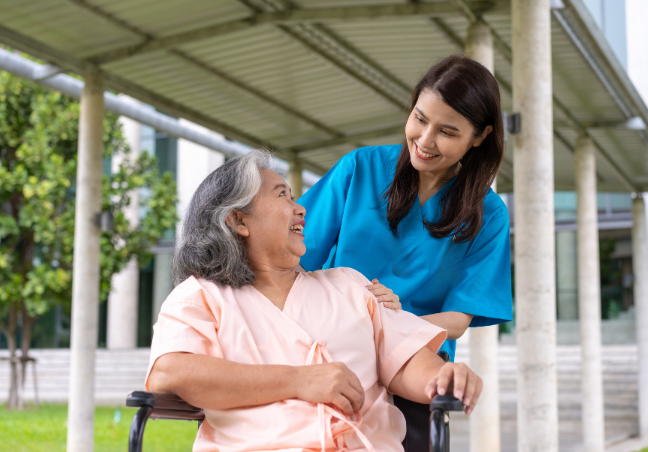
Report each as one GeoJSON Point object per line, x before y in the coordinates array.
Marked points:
{"type": "Point", "coordinates": [273, 230]}
{"type": "Point", "coordinates": [437, 135]}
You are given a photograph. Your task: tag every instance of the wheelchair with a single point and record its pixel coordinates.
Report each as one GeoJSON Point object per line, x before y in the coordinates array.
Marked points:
{"type": "Point", "coordinates": [156, 405]}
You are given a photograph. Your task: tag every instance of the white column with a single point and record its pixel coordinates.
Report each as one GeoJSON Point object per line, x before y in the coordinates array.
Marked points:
{"type": "Point", "coordinates": [295, 177]}
{"type": "Point", "coordinates": [589, 296]}
{"type": "Point", "coordinates": [484, 347]}
{"type": "Point", "coordinates": [124, 296]}
{"type": "Point", "coordinates": [485, 420]}
{"type": "Point", "coordinates": [85, 284]}
{"type": "Point", "coordinates": [535, 281]}
{"type": "Point", "coordinates": [640, 270]}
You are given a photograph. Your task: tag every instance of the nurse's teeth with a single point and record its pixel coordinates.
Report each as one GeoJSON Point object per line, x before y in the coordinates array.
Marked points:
{"type": "Point", "coordinates": [425, 154]}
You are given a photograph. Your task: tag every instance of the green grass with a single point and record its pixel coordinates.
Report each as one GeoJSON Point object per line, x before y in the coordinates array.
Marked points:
{"type": "Point", "coordinates": [45, 429]}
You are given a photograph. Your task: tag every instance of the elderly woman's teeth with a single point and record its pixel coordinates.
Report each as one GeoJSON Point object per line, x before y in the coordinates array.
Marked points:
{"type": "Point", "coordinates": [297, 228]}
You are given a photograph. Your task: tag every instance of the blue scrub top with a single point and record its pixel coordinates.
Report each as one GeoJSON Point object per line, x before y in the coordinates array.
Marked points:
{"type": "Point", "coordinates": [346, 226]}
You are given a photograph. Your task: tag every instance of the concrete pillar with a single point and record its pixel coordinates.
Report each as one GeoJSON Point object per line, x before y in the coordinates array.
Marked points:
{"type": "Point", "coordinates": [295, 177]}
{"type": "Point", "coordinates": [567, 275]}
{"type": "Point", "coordinates": [589, 296]}
{"type": "Point", "coordinates": [535, 277]}
{"type": "Point", "coordinates": [485, 420]}
{"type": "Point", "coordinates": [479, 45]}
{"type": "Point", "coordinates": [483, 342]}
{"type": "Point", "coordinates": [85, 283]}
{"type": "Point", "coordinates": [124, 296]}
{"type": "Point", "coordinates": [640, 270]}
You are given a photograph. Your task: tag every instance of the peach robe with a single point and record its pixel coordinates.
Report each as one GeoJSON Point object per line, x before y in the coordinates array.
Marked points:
{"type": "Point", "coordinates": [329, 316]}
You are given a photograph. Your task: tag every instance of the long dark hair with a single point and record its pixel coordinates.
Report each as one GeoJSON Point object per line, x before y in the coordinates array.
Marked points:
{"type": "Point", "coordinates": [470, 89]}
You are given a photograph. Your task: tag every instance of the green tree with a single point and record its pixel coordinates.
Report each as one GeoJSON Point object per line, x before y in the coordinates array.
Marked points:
{"type": "Point", "coordinates": [38, 159]}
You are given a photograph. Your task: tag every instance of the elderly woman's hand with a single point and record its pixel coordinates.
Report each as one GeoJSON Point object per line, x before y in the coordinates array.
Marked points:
{"type": "Point", "coordinates": [385, 295]}
{"type": "Point", "coordinates": [331, 383]}
{"type": "Point", "coordinates": [465, 384]}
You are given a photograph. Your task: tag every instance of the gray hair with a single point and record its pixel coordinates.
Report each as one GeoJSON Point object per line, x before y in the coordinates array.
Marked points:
{"type": "Point", "coordinates": [208, 248]}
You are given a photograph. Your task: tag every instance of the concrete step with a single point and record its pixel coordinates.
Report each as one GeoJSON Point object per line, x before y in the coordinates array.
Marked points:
{"type": "Point", "coordinates": [117, 373]}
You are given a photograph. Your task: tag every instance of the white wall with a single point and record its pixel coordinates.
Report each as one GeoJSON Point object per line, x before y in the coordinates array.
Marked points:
{"type": "Point", "coordinates": [637, 38]}
{"type": "Point", "coordinates": [195, 162]}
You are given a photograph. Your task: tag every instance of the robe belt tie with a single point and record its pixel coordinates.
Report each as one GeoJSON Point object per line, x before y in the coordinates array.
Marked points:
{"type": "Point", "coordinates": [325, 414]}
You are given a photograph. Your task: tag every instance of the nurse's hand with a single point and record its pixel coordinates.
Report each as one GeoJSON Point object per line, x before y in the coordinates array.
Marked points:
{"type": "Point", "coordinates": [465, 384]}
{"type": "Point", "coordinates": [331, 383]}
{"type": "Point", "coordinates": [384, 295]}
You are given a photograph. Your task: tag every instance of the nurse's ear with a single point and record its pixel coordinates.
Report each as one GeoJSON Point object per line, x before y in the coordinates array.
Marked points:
{"type": "Point", "coordinates": [482, 137]}
{"type": "Point", "coordinates": [237, 224]}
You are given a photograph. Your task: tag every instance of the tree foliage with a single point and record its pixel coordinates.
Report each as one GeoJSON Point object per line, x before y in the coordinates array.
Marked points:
{"type": "Point", "coordinates": [38, 162]}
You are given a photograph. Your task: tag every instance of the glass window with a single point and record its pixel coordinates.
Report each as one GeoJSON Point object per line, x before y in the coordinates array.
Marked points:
{"type": "Point", "coordinates": [621, 202]}
{"type": "Point", "coordinates": [565, 204]}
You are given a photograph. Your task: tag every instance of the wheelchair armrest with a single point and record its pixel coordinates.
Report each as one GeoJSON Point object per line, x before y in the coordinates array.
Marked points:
{"type": "Point", "coordinates": [159, 400]}
{"type": "Point", "coordinates": [157, 405]}
{"type": "Point", "coordinates": [446, 403]}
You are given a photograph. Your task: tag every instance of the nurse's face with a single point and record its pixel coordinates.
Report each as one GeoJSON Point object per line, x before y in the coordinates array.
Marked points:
{"type": "Point", "coordinates": [437, 135]}
{"type": "Point", "coordinates": [273, 230]}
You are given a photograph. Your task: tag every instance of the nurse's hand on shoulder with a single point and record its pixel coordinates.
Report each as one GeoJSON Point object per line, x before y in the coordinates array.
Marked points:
{"type": "Point", "coordinates": [384, 295]}
{"type": "Point", "coordinates": [331, 383]}
{"type": "Point", "coordinates": [457, 378]}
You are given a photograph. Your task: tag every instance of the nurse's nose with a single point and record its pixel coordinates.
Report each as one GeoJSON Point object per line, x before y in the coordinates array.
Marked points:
{"type": "Point", "coordinates": [427, 138]}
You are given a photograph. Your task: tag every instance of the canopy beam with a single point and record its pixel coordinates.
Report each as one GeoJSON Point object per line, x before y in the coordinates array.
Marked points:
{"type": "Point", "coordinates": [283, 17]}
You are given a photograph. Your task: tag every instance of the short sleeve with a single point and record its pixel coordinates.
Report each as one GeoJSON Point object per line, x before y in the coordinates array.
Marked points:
{"type": "Point", "coordinates": [188, 322]}
{"type": "Point", "coordinates": [398, 335]}
{"type": "Point", "coordinates": [325, 202]}
{"type": "Point", "coordinates": [483, 284]}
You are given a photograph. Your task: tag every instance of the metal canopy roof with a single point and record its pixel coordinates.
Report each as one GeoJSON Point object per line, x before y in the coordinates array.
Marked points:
{"type": "Point", "coordinates": [318, 78]}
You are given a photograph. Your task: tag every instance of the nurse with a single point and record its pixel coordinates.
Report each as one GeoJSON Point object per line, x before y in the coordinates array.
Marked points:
{"type": "Point", "coordinates": [421, 216]}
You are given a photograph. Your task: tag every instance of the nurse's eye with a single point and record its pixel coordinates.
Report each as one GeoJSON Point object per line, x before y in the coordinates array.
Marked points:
{"type": "Point", "coordinates": [419, 119]}
{"type": "Point", "coordinates": [446, 133]}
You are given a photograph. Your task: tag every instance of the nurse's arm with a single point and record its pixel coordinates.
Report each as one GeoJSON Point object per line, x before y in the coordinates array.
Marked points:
{"type": "Point", "coordinates": [425, 375]}
{"type": "Point", "coordinates": [455, 323]}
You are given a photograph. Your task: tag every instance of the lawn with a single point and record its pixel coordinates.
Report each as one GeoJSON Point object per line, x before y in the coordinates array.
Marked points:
{"type": "Point", "coordinates": [44, 430]}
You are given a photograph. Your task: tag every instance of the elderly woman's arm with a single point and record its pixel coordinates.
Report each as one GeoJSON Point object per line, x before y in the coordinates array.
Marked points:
{"type": "Point", "coordinates": [426, 375]}
{"type": "Point", "coordinates": [215, 383]}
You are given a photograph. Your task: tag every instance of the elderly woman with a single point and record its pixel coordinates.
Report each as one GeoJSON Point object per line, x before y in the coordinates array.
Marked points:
{"type": "Point", "coordinates": [282, 360]}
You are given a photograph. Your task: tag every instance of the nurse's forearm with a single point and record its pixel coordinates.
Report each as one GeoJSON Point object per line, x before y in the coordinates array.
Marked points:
{"type": "Point", "coordinates": [219, 384]}
{"type": "Point", "coordinates": [456, 323]}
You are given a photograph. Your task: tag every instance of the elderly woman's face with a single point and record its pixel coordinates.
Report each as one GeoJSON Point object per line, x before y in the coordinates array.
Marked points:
{"type": "Point", "coordinates": [273, 231]}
